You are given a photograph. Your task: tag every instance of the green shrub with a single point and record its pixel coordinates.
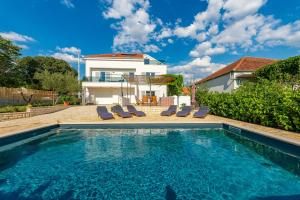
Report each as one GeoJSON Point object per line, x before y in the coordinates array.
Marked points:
{"type": "Point", "coordinates": [266, 103]}
{"type": "Point", "coordinates": [68, 98]}
{"type": "Point", "coordinates": [282, 71]}
{"type": "Point", "coordinates": [8, 109]}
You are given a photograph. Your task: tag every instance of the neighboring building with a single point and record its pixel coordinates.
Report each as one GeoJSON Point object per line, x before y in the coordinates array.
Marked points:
{"type": "Point", "coordinates": [232, 76]}
{"type": "Point", "coordinates": [104, 77]}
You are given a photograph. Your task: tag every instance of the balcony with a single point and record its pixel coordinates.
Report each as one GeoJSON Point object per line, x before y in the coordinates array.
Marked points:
{"type": "Point", "coordinates": [106, 78]}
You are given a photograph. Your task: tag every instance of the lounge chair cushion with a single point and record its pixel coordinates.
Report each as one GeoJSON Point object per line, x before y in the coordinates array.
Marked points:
{"type": "Point", "coordinates": [202, 112]}
{"type": "Point", "coordinates": [186, 110]}
{"type": "Point", "coordinates": [171, 111]}
{"type": "Point", "coordinates": [103, 113]}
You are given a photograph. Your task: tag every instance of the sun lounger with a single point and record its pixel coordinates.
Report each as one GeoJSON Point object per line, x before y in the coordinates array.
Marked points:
{"type": "Point", "coordinates": [103, 113]}
{"type": "Point", "coordinates": [185, 111]}
{"type": "Point", "coordinates": [171, 111]}
{"type": "Point", "coordinates": [119, 110]}
{"type": "Point", "coordinates": [202, 112]}
{"type": "Point", "coordinates": [134, 111]}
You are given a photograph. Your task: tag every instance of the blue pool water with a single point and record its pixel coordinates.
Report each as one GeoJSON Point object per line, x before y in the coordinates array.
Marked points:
{"type": "Point", "coordinates": [146, 164]}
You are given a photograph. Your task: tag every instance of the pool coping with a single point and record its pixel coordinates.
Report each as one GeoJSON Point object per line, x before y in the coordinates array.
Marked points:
{"type": "Point", "coordinates": [62, 124]}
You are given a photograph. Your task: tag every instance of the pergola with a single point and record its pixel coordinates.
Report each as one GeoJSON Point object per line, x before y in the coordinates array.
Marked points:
{"type": "Point", "coordinates": [144, 79]}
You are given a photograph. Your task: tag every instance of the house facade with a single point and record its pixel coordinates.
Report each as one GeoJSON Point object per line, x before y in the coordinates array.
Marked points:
{"type": "Point", "coordinates": [232, 76]}
{"type": "Point", "coordinates": [104, 81]}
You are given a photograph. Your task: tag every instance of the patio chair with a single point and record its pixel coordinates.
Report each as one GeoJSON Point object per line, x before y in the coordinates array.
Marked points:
{"type": "Point", "coordinates": [135, 112]}
{"type": "Point", "coordinates": [171, 111]}
{"type": "Point", "coordinates": [138, 102]}
{"type": "Point", "coordinates": [153, 101]}
{"type": "Point", "coordinates": [202, 112]}
{"type": "Point", "coordinates": [185, 111]}
{"type": "Point", "coordinates": [145, 100]}
{"type": "Point", "coordinates": [119, 110]}
{"type": "Point", "coordinates": [103, 113]}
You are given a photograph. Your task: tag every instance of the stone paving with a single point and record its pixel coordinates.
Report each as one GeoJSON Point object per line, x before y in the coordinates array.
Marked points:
{"type": "Point", "coordinates": [88, 114]}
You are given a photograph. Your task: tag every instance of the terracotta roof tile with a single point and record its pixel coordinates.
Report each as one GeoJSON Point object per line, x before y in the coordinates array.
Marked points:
{"type": "Point", "coordinates": [243, 64]}
{"type": "Point", "coordinates": [118, 55]}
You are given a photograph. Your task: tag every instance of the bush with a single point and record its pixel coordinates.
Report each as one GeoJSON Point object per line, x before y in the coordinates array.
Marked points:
{"type": "Point", "coordinates": [8, 109]}
{"type": "Point", "coordinates": [71, 99]}
{"type": "Point", "coordinates": [267, 103]}
{"type": "Point", "coordinates": [283, 71]}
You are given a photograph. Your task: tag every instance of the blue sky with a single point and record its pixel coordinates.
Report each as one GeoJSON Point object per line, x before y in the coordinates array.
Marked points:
{"type": "Point", "coordinates": [195, 37]}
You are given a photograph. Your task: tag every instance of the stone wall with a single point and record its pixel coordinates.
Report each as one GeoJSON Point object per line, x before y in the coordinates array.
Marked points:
{"type": "Point", "coordinates": [34, 111]}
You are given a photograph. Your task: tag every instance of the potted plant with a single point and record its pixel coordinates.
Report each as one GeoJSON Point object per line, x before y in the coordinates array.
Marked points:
{"type": "Point", "coordinates": [66, 100]}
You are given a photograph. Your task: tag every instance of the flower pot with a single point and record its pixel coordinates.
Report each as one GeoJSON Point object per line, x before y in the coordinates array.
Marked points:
{"type": "Point", "coordinates": [66, 103]}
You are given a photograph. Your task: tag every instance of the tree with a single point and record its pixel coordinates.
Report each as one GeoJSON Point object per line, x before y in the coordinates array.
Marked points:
{"type": "Point", "coordinates": [9, 75]}
{"type": "Point", "coordinates": [31, 65]}
{"type": "Point", "coordinates": [175, 87]}
{"type": "Point", "coordinates": [61, 83]}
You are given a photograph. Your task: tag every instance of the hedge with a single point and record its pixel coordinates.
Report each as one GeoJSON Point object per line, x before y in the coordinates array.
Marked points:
{"type": "Point", "coordinates": [287, 70]}
{"type": "Point", "coordinates": [268, 103]}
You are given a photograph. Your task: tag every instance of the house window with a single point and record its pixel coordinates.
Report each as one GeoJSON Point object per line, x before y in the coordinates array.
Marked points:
{"type": "Point", "coordinates": [148, 74]}
{"type": "Point", "coordinates": [131, 74]}
{"type": "Point", "coordinates": [102, 76]}
{"type": "Point", "coordinates": [146, 61]}
{"type": "Point", "coordinates": [147, 93]}
{"type": "Point", "coordinates": [239, 82]}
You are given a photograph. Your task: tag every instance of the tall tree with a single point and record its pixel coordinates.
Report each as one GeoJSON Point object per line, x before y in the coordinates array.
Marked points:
{"type": "Point", "coordinates": [9, 74]}
{"type": "Point", "coordinates": [29, 66]}
{"type": "Point", "coordinates": [61, 83]}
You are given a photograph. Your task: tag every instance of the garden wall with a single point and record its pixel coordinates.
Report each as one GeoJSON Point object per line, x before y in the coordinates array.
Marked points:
{"type": "Point", "coordinates": [34, 111]}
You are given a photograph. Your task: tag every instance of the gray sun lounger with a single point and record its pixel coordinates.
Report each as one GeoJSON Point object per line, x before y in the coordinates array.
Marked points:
{"type": "Point", "coordinates": [185, 111]}
{"type": "Point", "coordinates": [119, 110]}
{"type": "Point", "coordinates": [103, 113]}
{"type": "Point", "coordinates": [171, 111]}
{"type": "Point", "coordinates": [135, 112]}
{"type": "Point", "coordinates": [202, 112]}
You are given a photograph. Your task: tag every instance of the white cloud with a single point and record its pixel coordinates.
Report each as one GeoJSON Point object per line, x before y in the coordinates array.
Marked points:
{"type": "Point", "coordinates": [165, 33]}
{"type": "Point", "coordinates": [240, 33]}
{"type": "Point", "coordinates": [197, 68]}
{"type": "Point", "coordinates": [134, 25]}
{"type": "Point", "coordinates": [23, 46]}
{"type": "Point", "coordinates": [205, 48]}
{"type": "Point", "coordinates": [151, 48]}
{"type": "Point", "coordinates": [272, 34]}
{"type": "Point", "coordinates": [201, 21]}
{"type": "Point", "coordinates": [68, 54]}
{"type": "Point", "coordinates": [72, 50]}
{"type": "Point", "coordinates": [170, 41]}
{"type": "Point", "coordinates": [66, 57]}
{"type": "Point", "coordinates": [16, 37]}
{"type": "Point", "coordinates": [237, 9]}
{"type": "Point", "coordinates": [67, 3]}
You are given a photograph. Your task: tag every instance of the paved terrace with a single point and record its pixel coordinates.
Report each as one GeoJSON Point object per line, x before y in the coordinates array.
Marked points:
{"type": "Point", "coordinates": [88, 114]}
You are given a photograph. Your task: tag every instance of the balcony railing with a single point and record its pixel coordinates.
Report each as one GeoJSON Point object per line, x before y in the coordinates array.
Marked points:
{"type": "Point", "coordinates": [106, 78]}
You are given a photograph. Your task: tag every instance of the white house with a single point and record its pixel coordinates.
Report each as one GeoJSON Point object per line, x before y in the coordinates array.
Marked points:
{"type": "Point", "coordinates": [104, 81]}
{"type": "Point", "coordinates": [232, 76]}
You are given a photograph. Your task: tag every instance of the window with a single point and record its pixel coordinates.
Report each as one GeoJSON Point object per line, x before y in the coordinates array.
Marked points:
{"type": "Point", "coordinates": [148, 74]}
{"type": "Point", "coordinates": [102, 76]}
{"type": "Point", "coordinates": [148, 93]}
{"type": "Point", "coordinates": [239, 82]}
{"type": "Point", "coordinates": [146, 61]}
{"type": "Point", "coordinates": [131, 74]}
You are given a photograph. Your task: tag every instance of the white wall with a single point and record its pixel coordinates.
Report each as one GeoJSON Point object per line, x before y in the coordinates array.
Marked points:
{"type": "Point", "coordinates": [182, 100]}
{"type": "Point", "coordinates": [223, 83]}
{"type": "Point", "coordinates": [136, 65]}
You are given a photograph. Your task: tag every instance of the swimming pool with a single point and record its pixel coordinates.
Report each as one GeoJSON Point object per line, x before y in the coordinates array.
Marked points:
{"type": "Point", "coordinates": [147, 163]}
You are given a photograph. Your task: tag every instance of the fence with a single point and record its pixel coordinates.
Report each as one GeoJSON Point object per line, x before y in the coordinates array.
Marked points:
{"type": "Point", "coordinates": [21, 96]}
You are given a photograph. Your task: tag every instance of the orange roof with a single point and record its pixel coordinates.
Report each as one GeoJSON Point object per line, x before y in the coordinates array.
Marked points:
{"type": "Point", "coordinates": [118, 55]}
{"type": "Point", "coordinates": [243, 64]}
